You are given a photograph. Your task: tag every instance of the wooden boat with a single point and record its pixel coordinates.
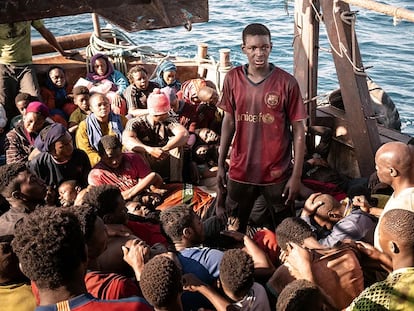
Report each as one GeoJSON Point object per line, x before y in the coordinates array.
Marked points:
{"type": "Point", "coordinates": [356, 134]}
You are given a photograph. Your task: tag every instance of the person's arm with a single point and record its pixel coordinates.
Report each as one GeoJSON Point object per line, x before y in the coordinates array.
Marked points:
{"type": "Point", "coordinates": [347, 229]}
{"type": "Point", "coordinates": [262, 265]}
{"type": "Point", "coordinates": [50, 38]}
{"type": "Point", "coordinates": [131, 142]}
{"type": "Point", "coordinates": [179, 139]}
{"type": "Point", "coordinates": [193, 284]}
{"type": "Point", "coordinates": [143, 183]}
{"type": "Point", "coordinates": [293, 185]}
{"type": "Point", "coordinates": [227, 132]}
{"type": "Point", "coordinates": [375, 254]}
{"type": "Point", "coordinates": [309, 209]}
{"type": "Point", "coordinates": [362, 202]}
{"type": "Point", "coordinates": [136, 112]}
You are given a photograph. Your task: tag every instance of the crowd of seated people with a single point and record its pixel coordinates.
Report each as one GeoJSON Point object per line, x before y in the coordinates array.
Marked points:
{"type": "Point", "coordinates": [121, 168]}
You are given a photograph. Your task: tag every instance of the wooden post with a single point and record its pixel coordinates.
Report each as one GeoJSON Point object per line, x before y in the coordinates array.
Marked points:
{"type": "Point", "coordinates": [96, 25]}
{"type": "Point", "coordinates": [306, 48]}
{"type": "Point", "coordinates": [355, 95]}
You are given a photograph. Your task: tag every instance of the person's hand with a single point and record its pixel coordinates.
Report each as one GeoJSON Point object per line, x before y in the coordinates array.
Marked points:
{"type": "Point", "coordinates": [117, 100]}
{"type": "Point", "coordinates": [368, 250]}
{"type": "Point", "coordinates": [136, 256]}
{"type": "Point", "coordinates": [311, 205]}
{"type": "Point", "coordinates": [283, 256]}
{"type": "Point", "coordinates": [362, 202]}
{"type": "Point", "coordinates": [157, 153]}
{"type": "Point", "coordinates": [221, 192]}
{"type": "Point", "coordinates": [298, 261]}
{"type": "Point", "coordinates": [191, 282]}
{"type": "Point", "coordinates": [291, 190]}
{"type": "Point", "coordinates": [70, 53]}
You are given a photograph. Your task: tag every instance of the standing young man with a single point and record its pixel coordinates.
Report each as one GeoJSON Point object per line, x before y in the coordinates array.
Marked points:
{"type": "Point", "coordinates": [263, 107]}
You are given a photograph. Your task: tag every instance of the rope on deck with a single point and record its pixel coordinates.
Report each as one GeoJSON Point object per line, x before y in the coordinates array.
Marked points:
{"type": "Point", "coordinates": [117, 45]}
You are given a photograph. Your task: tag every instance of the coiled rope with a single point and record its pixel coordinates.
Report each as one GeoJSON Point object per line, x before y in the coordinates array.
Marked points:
{"type": "Point", "coordinates": [117, 46]}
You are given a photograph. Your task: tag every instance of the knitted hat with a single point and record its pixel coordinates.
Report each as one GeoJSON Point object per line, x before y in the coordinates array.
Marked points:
{"type": "Point", "coordinates": [158, 103]}
{"type": "Point", "coordinates": [38, 107]}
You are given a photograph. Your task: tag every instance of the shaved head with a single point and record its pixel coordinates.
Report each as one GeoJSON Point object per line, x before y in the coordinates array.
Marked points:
{"type": "Point", "coordinates": [392, 160]}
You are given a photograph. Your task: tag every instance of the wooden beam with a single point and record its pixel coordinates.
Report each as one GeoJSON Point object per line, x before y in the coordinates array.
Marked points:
{"type": "Point", "coordinates": [306, 48]}
{"type": "Point", "coordinates": [396, 12]}
{"type": "Point", "coordinates": [353, 84]}
{"type": "Point", "coordinates": [68, 42]}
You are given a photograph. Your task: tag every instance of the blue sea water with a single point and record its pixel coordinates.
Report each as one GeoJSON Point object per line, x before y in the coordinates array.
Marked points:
{"type": "Point", "coordinates": [385, 47]}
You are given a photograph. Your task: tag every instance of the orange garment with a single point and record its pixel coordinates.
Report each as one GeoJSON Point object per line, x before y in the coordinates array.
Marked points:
{"type": "Point", "coordinates": [48, 98]}
{"type": "Point", "coordinates": [178, 194]}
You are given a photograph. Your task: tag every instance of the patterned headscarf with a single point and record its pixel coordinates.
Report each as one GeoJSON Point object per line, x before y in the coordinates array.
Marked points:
{"type": "Point", "coordinates": [166, 66]}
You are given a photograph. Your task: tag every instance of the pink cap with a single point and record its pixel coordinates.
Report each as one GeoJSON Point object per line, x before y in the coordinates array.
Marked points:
{"type": "Point", "coordinates": [38, 107]}
{"type": "Point", "coordinates": [158, 103]}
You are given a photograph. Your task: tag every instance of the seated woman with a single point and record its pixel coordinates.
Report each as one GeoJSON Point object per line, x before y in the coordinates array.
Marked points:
{"type": "Point", "coordinates": [166, 75]}
{"type": "Point", "coordinates": [109, 81]}
{"type": "Point", "coordinates": [100, 122]}
{"type": "Point", "coordinates": [137, 92]}
{"type": "Point", "coordinates": [58, 160]}
{"type": "Point", "coordinates": [20, 140]}
{"type": "Point", "coordinates": [55, 95]}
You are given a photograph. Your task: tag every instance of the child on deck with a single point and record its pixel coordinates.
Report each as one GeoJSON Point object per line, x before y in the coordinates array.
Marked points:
{"type": "Point", "coordinates": [55, 95]}
{"type": "Point", "coordinates": [80, 99]}
{"type": "Point", "coordinates": [108, 81]}
{"type": "Point", "coordinates": [22, 100]}
{"type": "Point", "coordinates": [68, 191]}
{"type": "Point", "coordinates": [137, 92]}
{"type": "Point", "coordinates": [166, 75]}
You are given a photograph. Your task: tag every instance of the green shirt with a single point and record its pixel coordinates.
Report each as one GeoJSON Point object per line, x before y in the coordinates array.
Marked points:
{"type": "Point", "coordinates": [396, 292]}
{"type": "Point", "coordinates": [15, 45]}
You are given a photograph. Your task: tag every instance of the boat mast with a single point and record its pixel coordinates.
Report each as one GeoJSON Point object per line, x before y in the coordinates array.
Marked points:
{"type": "Point", "coordinates": [337, 17]}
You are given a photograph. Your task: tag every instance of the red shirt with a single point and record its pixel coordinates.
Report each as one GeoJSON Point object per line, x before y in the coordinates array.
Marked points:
{"type": "Point", "coordinates": [125, 177]}
{"type": "Point", "coordinates": [262, 146]}
{"type": "Point", "coordinates": [110, 285]}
